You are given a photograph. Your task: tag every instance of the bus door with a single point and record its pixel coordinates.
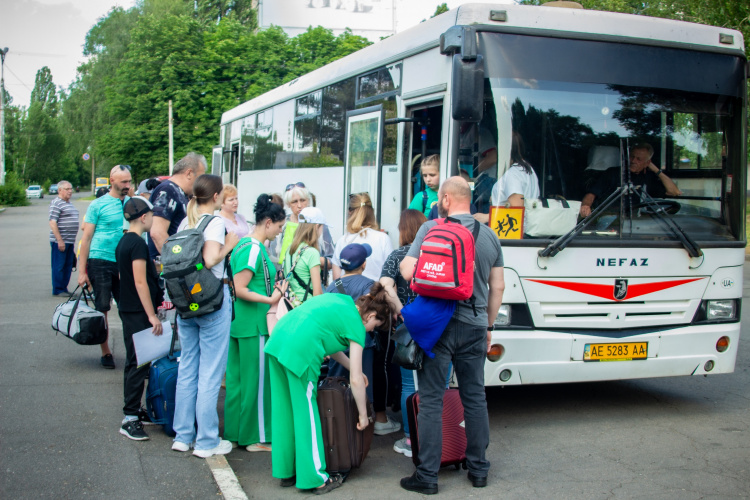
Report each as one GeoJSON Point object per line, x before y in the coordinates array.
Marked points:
{"type": "Point", "coordinates": [226, 163]}
{"type": "Point", "coordinates": [364, 156]}
{"type": "Point", "coordinates": [424, 130]}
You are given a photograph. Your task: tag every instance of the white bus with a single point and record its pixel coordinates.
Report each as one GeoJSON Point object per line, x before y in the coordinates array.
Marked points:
{"type": "Point", "coordinates": [644, 288]}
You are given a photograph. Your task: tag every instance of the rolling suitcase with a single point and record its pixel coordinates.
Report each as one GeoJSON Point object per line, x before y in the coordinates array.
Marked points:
{"type": "Point", "coordinates": [345, 446]}
{"type": "Point", "coordinates": [162, 384]}
{"type": "Point", "coordinates": [454, 433]}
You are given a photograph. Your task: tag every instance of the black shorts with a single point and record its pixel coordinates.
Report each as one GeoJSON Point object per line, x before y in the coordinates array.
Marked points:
{"type": "Point", "coordinates": [105, 279]}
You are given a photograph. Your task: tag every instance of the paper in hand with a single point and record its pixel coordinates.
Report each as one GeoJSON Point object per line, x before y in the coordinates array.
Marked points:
{"type": "Point", "coordinates": [149, 347]}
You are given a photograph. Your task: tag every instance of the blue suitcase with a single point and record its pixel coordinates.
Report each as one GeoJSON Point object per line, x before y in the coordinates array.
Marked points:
{"type": "Point", "coordinates": [162, 384]}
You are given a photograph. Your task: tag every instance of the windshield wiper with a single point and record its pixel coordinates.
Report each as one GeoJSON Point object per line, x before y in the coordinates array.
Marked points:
{"type": "Point", "coordinates": [691, 247]}
{"type": "Point", "coordinates": [560, 243]}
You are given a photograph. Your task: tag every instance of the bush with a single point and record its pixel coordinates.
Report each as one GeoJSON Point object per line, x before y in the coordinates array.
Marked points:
{"type": "Point", "coordinates": [46, 185]}
{"type": "Point", "coordinates": [13, 194]}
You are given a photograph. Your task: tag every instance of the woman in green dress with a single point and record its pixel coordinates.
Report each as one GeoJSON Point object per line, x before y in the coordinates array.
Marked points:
{"type": "Point", "coordinates": [247, 406]}
{"type": "Point", "coordinates": [323, 326]}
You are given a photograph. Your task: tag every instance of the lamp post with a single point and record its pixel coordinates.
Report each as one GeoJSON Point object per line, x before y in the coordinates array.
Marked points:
{"type": "Point", "coordinates": [2, 115]}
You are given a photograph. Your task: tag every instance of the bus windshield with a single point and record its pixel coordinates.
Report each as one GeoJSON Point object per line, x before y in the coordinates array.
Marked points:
{"type": "Point", "coordinates": [585, 118]}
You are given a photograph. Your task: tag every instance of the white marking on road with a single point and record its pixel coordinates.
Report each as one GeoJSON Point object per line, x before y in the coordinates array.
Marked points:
{"type": "Point", "coordinates": [225, 478]}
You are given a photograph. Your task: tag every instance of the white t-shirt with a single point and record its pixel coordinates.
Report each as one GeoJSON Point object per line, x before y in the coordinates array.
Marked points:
{"type": "Point", "coordinates": [381, 249]}
{"type": "Point", "coordinates": [515, 181]}
{"type": "Point", "coordinates": [215, 231]}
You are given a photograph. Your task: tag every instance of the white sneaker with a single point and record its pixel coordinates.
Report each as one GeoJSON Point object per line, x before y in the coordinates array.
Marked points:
{"type": "Point", "coordinates": [222, 448]}
{"type": "Point", "coordinates": [180, 446]}
{"type": "Point", "coordinates": [403, 445]}
{"type": "Point", "coordinates": [383, 428]}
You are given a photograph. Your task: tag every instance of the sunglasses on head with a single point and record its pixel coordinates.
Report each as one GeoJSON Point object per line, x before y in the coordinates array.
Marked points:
{"type": "Point", "coordinates": [123, 167]}
{"type": "Point", "coordinates": [292, 186]}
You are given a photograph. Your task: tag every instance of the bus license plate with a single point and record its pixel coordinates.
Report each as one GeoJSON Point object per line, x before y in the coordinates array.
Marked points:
{"type": "Point", "coordinates": [615, 352]}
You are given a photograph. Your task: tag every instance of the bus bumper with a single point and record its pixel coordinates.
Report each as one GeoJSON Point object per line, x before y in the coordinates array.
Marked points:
{"type": "Point", "coordinates": [546, 357]}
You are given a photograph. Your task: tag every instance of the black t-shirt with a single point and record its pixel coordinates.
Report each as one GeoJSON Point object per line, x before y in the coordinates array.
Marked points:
{"type": "Point", "coordinates": [170, 203]}
{"type": "Point", "coordinates": [609, 180]}
{"type": "Point", "coordinates": [391, 269]}
{"type": "Point", "coordinates": [132, 247]}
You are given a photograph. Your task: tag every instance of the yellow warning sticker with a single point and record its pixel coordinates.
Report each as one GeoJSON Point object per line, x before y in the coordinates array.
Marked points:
{"type": "Point", "coordinates": [197, 288]}
{"type": "Point", "coordinates": [176, 249]}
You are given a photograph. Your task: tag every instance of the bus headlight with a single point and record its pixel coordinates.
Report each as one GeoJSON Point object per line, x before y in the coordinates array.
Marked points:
{"type": "Point", "coordinates": [720, 310]}
{"type": "Point", "coordinates": [503, 316]}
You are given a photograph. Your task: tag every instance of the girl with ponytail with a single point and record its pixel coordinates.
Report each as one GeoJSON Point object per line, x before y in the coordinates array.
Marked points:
{"type": "Point", "coordinates": [362, 227]}
{"type": "Point", "coordinates": [248, 394]}
{"type": "Point", "coordinates": [204, 339]}
{"type": "Point", "coordinates": [325, 326]}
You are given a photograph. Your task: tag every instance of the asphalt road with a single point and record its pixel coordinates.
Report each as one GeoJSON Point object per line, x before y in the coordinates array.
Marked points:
{"type": "Point", "coordinates": [682, 438]}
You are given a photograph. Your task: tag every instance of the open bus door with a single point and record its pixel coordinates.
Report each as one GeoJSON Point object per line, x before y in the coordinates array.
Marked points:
{"type": "Point", "coordinates": [227, 169]}
{"type": "Point", "coordinates": [364, 155]}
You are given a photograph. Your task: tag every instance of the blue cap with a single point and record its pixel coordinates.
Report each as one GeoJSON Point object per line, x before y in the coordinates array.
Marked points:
{"type": "Point", "coordinates": [354, 255]}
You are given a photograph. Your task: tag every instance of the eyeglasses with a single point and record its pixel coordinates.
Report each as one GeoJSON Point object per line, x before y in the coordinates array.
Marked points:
{"type": "Point", "coordinates": [292, 186]}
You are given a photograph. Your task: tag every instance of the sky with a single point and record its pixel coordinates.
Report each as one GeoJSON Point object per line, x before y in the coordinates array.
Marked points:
{"type": "Point", "coordinates": [52, 32]}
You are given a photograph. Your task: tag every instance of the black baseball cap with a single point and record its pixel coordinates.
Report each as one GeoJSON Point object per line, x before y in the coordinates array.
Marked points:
{"type": "Point", "coordinates": [135, 207]}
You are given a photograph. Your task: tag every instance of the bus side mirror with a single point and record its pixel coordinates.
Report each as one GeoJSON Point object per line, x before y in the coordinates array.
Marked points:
{"type": "Point", "coordinates": [467, 89]}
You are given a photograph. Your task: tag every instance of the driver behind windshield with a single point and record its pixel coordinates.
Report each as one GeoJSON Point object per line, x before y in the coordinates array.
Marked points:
{"type": "Point", "coordinates": [642, 173]}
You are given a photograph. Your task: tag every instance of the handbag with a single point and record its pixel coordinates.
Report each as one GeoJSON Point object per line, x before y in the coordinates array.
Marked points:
{"type": "Point", "coordinates": [407, 353]}
{"type": "Point", "coordinates": [550, 216]}
{"type": "Point", "coordinates": [79, 321]}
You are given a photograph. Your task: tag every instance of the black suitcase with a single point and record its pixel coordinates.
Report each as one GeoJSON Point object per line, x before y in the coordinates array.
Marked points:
{"type": "Point", "coordinates": [345, 446]}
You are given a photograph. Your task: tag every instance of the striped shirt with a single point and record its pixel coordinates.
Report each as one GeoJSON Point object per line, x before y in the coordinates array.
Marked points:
{"type": "Point", "coordinates": [106, 214]}
{"type": "Point", "coordinates": [66, 216]}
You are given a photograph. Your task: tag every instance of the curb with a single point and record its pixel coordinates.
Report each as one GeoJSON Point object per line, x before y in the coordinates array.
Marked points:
{"type": "Point", "coordinates": [225, 478]}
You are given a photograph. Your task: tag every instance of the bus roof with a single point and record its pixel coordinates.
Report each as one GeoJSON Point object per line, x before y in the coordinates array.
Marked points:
{"type": "Point", "coordinates": [520, 19]}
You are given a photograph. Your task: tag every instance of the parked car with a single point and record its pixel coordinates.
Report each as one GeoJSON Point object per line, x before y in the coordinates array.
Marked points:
{"type": "Point", "coordinates": [53, 189]}
{"type": "Point", "coordinates": [34, 191]}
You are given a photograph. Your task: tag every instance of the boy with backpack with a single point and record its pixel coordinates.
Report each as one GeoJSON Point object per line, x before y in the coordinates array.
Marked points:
{"type": "Point", "coordinates": [140, 295]}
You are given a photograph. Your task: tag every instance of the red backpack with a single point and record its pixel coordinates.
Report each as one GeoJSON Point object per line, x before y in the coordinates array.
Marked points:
{"type": "Point", "coordinates": [445, 268]}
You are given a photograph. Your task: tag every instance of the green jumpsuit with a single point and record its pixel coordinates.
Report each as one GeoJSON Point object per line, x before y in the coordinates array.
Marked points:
{"type": "Point", "coordinates": [322, 326]}
{"type": "Point", "coordinates": [247, 406]}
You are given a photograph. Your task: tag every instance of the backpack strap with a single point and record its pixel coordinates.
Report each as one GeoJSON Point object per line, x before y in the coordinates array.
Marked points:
{"type": "Point", "coordinates": [424, 200]}
{"type": "Point", "coordinates": [340, 286]}
{"type": "Point", "coordinates": [475, 233]}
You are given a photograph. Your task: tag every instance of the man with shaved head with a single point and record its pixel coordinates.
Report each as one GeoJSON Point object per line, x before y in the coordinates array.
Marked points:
{"type": "Point", "coordinates": [465, 342]}
{"type": "Point", "coordinates": [102, 230]}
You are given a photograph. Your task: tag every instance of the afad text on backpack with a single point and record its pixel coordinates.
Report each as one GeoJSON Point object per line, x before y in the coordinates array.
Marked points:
{"type": "Point", "coordinates": [445, 268]}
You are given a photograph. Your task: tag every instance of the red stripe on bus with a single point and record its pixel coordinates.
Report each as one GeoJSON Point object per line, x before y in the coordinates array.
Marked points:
{"type": "Point", "coordinates": [608, 291]}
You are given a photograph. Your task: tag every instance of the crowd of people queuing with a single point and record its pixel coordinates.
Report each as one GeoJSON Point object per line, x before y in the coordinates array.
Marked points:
{"type": "Point", "coordinates": [344, 298]}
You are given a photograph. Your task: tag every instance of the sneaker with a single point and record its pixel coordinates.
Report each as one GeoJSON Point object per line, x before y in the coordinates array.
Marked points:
{"type": "Point", "coordinates": [403, 446]}
{"type": "Point", "coordinates": [288, 482]}
{"type": "Point", "coordinates": [108, 362]}
{"type": "Point", "coordinates": [144, 418]}
{"type": "Point", "coordinates": [258, 447]}
{"type": "Point", "coordinates": [133, 429]}
{"type": "Point", "coordinates": [383, 428]}
{"type": "Point", "coordinates": [180, 446]}
{"type": "Point", "coordinates": [222, 448]}
{"type": "Point", "coordinates": [411, 483]}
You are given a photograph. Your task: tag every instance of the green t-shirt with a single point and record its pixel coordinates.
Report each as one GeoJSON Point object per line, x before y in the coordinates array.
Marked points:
{"type": "Point", "coordinates": [250, 317]}
{"type": "Point", "coordinates": [309, 257]}
{"type": "Point", "coordinates": [106, 213]}
{"type": "Point", "coordinates": [416, 203]}
{"type": "Point", "coordinates": [290, 228]}
{"type": "Point", "coordinates": [322, 326]}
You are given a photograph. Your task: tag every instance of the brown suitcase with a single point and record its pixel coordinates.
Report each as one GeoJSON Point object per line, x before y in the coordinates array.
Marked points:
{"type": "Point", "coordinates": [345, 446]}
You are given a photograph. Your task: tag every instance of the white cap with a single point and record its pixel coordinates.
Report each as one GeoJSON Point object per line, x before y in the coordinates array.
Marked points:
{"type": "Point", "coordinates": [312, 215]}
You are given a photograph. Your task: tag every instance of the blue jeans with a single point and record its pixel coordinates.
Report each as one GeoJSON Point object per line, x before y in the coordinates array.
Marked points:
{"type": "Point", "coordinates": [203, 361]}
{"type": "Point", "coordinates": [62, 266]}
{"type": "Point", "coordinates": [408, 387]}
{"type": "Point", "coordinates": [466, 346]}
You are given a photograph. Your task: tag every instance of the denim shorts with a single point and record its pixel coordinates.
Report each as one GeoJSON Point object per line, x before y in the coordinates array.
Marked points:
{"type": "Point", "coordinates": [105, 279]}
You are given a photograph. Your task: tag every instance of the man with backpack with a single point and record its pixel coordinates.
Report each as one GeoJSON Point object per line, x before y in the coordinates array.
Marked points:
{"type": "Point", "coordinates": [465, 340]}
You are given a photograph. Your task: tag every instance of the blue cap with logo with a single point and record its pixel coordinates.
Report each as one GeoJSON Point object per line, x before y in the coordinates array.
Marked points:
{"type": "Point", "coordinates": [354, 255]}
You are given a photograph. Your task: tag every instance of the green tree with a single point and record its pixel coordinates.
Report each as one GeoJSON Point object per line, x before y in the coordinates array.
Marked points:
{"type": "Point", "coordinates": [45, 92]}
{"type": "Point", "coordinates": [441, 9]}
{"type": "Point", "coordinates": [214, 11]}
